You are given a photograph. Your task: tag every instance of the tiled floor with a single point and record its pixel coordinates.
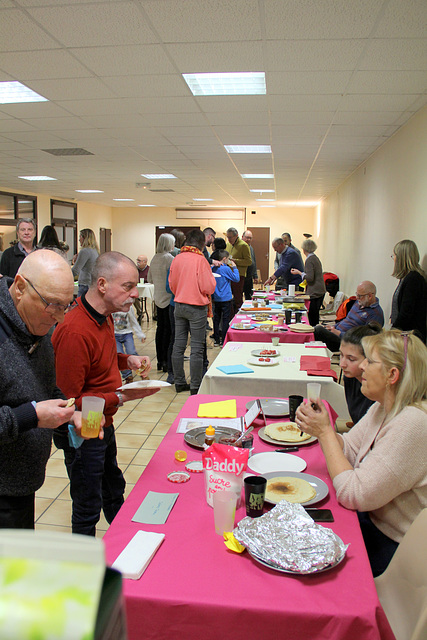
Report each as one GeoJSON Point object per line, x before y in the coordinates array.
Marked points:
{"type": "Point", "coordinates": [140, 427]}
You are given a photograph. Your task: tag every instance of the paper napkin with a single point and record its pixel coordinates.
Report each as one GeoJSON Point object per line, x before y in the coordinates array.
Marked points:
{"type": "Point", "coordinates": [221, 409]}
{"type": "Point", "coordinates": [137, 555]}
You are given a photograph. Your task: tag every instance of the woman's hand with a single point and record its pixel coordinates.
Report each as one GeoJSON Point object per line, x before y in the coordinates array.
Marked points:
{"type": "Point", "coordinates": [313, 419]}
{"type": "Point", "coordinates": [296, 272]}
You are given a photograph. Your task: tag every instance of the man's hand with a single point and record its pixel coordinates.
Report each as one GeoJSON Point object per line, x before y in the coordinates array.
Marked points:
{"type": "Point", "coordinates": [296, 272]}
{"type": "Point", "coordinates": [52, 413]}
{"type": "Point", "coordinates": [270, 280]}
{"type": "Point", "coordinates": [136, 362]}
{"type": "Point", "coordinates": [137, 394]}
{"type": "Point", "coordinates": [76, 420]}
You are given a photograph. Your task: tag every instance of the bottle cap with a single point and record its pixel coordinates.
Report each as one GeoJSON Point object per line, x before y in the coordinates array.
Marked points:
{"type": "Point", "coordinates": [210, 431]}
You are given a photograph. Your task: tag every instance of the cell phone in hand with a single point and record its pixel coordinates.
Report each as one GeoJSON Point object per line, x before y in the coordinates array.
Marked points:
{"type": "Point", "coordinates": [321, 515]}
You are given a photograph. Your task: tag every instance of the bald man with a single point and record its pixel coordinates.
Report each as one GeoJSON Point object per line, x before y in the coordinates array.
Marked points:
{"type": "Point", "coordinates": [31, 403]}
{"type": "Point", "coordinates": [366, 309]}
{"type": "Point", "coordinates": [87, 364]}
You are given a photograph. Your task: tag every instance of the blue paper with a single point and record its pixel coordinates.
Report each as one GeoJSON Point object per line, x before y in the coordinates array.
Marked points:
{"type": "Point", "coordinates": [235, 368]}
{"type": "Point", "coordinates": [74, 440]}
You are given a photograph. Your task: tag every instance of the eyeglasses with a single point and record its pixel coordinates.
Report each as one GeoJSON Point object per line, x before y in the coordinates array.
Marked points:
{"type": "Point", "coordinates": [54, 307]}
{"type": "Point", "coordinates": [361, 295]}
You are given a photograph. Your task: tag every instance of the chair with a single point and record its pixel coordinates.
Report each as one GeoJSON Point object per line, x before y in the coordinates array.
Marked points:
{"type": "Point", "coordinates": [402, 588]}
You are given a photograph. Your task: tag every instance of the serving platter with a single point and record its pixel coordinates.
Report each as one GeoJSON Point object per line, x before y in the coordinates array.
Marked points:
{"type": "Point", "coordinates": [267, 564]}
{"type": "Point", "coordinates": [196, 437]}
{"type": "Point", "coordinates": [259, 353]}
{"type": "Point", "coordinates": [322, 489]}
{"type": "Point", "coordinates": [243, 327]}
{"type": "Point", "coordinates": [272, 407]}
{"type": "Point", "coordinates": [284, 443]}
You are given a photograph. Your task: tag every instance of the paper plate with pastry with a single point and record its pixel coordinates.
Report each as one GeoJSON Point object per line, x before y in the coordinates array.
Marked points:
{"type": "Point", "coordinates": [285, 433]}
{"type": "Point", "coordinates": [302, 488]}
{"type": "Point", "coordinates": [242, 327]}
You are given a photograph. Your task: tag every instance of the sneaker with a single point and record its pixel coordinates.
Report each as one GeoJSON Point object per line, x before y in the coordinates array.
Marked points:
{"type": "Point", "coordinates": [170, 379]}
{"type": "Point", "coordinates": [182, 387]}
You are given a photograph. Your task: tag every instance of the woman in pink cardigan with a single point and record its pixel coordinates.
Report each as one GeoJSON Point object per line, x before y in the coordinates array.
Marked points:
{"type": "Point", "coordinates": [379, 468]}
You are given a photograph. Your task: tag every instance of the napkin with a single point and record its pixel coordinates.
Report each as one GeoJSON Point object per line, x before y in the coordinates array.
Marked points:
{"type": "Point", "coordinates": [235, 368]}
{"type": "Point", "coordinates": [221, 409]}
{"type": "Point", "coordinates": [322, 372]}
{"type": "Point", "coordinates": [138, 553]}
{"type": "Point", "coordinates": [314, 362]}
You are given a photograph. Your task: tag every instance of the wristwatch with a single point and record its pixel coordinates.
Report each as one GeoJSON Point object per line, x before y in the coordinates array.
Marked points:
{"type": "Point", "coordinates": [120, 397]}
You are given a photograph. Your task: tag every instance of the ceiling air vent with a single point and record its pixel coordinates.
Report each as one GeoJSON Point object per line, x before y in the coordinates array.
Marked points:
{"type": "Point", "coordinates": [68, 152]}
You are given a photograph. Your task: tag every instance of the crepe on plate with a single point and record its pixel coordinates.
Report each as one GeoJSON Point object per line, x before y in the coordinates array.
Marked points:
{"type": "Point", "coordinates": [290, 489]}
{"type": "Point", "coordinates": [285, 432]}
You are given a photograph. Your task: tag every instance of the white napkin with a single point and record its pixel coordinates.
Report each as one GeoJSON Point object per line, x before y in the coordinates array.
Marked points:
{"type": "Point", "coordinates": [138, 553]}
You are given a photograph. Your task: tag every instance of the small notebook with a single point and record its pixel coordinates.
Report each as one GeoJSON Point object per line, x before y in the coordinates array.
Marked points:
{"type": "Point", "coordinates": [235, 368]}
{"type": "Point", "coordinates": [138, 553]}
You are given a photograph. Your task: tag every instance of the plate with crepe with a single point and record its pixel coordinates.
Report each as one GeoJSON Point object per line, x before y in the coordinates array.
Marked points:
{"type": "Point", "coordinates": [285, 433]}
{"type": "Point", "coordinates": [300, 327]}
{"type": "Point", "coordinates": [292, 486]}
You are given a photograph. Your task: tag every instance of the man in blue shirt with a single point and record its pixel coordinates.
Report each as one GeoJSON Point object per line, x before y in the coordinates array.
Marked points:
{"type": "Point", "coordinates": [366, 309]}
{"type": "Point", "coordinates": [289, 259]}
{"type": "Point", "coordinates": [223, 295]}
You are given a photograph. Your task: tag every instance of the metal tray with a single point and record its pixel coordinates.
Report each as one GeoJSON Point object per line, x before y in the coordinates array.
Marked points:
{"type": "Point", "coordinates": [272, 407]}
{"type": "Point", "coordinates": [196, 437]}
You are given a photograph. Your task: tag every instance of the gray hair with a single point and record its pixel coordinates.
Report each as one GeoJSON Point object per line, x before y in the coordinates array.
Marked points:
{"type": "Point", "coordinates": [309, 245]}
{"type": "Point", "coordinates": [165, 243]}
{"type": "Point", "coordinates": [233, 231]}
{"type": "Point", "coordinates": [278, 241]}
{"type": "Point", "coordinates": [106, 266]}
{"type": "Point", "coordinates": [28, 220]}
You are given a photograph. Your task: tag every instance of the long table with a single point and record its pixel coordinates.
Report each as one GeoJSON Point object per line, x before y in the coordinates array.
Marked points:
{"type": "Point", "coordinates": [258, 335]}
{"type": "Point", "coordinates": [195, 588]}
{"type": "Point", "coordinates": [279, 380]}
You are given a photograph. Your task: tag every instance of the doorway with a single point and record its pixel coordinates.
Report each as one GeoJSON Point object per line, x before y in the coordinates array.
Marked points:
{"type": "Point", "coordinates": [261, 245]}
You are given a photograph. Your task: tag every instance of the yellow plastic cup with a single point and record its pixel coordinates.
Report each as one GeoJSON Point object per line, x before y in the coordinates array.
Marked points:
{"type": "Point", "coordinates": [92, 408]}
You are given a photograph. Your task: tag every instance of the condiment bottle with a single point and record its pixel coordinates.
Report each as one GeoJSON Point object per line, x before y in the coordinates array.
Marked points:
{"type": "Point", "coordinates": [209, 435]}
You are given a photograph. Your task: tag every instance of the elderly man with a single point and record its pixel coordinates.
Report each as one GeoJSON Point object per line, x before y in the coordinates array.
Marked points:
{"type": "Point", "coordinates": [288, 242]}
{"type": "Point", "coordinates": [240, 254]}
{"type": "Point", "coordinates": [31, 403]}
{"type": "Point", "coordinates": [13, 257]}
{"type": "Point", "coordinates": [251, 272]}
{"type": "Point", "coordinates": [366, 309]}
{"type": "Point", "coordinates": [143, 269]}
{"type": "Point", "coordinates": [87, 364]}
{"type": "Point", "coordinates": [289, 259]}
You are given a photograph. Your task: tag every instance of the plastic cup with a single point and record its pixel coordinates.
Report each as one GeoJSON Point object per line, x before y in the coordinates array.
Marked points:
{"type": "Point", "coordinates": [298, 316]}
{"type": "Point", "coordinates": [313, 391]}
{"type": "Point", "coordinates": [288, 316]}
{"type": "Point", "coordinates": [255, 487]}
{"type": "Point", "coordinates": [141, 280]}
{"type": "Point", "coordinates": [267, 288]}
{"type": "Point", "coordinates": [92, 408]}
{"type": "Point", "coordinates": [291, 290]}
{"type": "Point", "coordinates": [294, 403]}
{"type": "Point", "coordinates": [275, 340]}
{"type": "Point", "coordinates": [224, 506]}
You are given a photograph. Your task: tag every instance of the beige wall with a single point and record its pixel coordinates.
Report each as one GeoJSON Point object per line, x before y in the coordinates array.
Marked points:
{"type": "Point", "coordinates": [383, 202]}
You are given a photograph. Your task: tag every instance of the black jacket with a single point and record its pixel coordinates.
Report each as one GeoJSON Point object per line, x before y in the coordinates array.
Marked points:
{"type": "Point", "coordinates": [11, 260]}
{"type": "Point", "coordinates": [412, 304]}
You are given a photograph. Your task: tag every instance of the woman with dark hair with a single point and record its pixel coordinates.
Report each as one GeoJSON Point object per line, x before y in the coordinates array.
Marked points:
{"type": "Point", "coordinates": [409, 303]}
{"type": "Point", "coordinates": [351, 358]}
{"type": "Point", "coordinates": [218, 245]}
{"type": "Point", "coordinates": [379, 468]}
{"type": "Point", "coordinates": [49, 240]}
{"type": "Point", "coordinates": [313, 275]}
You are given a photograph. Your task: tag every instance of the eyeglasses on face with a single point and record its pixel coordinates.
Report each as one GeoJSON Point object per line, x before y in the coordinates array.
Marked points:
{"type": "Point", "coordinates": [53, 307]}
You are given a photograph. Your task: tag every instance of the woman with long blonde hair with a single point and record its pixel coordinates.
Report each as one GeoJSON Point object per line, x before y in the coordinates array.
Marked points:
{"type": "Point", "coordinates": [85, 259]}
{"type": "Point", "coordinates": [409, 302]}
{"type": "Point", "coordinates": [379, 468]}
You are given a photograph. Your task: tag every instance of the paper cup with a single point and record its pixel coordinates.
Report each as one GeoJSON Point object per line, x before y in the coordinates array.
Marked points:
{"type": "Point", "coordinates": [313, 391]}
{"type": "Point", "coordinates": [224, 507]}
{"type": "Point", "coordinates": [92, 408]}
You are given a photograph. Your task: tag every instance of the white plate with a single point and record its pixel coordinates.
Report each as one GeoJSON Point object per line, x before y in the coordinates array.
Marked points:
{"type": "Point", "coordinates": [270, 461]}
{"type": "Point", "coordinates": [245, 328]}
{"type": "Point", "coordinates": [263, 363]}
{"type": "Point", "coordinates": [322, 489]}
{"type": "Point", "coordinates": [257, 353]}
{"type": "Point", "coordinates": [144, 384]}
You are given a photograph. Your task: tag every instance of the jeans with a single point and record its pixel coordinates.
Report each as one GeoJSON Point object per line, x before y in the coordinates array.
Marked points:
{"type": "Point", "coordinates": [189, 318]}
{"type": "Point", "coordinates": [125, 344]}
{"type": "Point", "coordinates": [96, 481]}
{"type": "Point", "coordinates": [330, 339]}
{"type": "Point", "coordinates": [172, 340]}
{"type": "Point", "coordinates": [163, 336]}
{"type": "Point", "coordinates": [17, 512]}
{"type": "Point", "coordinates": [380, 548]}
{"type": "Point", "coordinates": [222, 313]}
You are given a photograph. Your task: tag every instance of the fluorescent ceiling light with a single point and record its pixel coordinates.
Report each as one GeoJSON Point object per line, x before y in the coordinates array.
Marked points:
{"type": "Point", "coordinates": [267, 206]}
{"type": "Point", "coordinates": [146, 205]}
{"type": "Point", "coordinates": [261, 190]}
{"type": "Point", "coordinates": [88, 191]}
{"type": "Point", "coordinates": [203, 199]}
{"type": "Point", "coordinates": [158, 176]}
{"type": "Point", "coordinates": [264, 200]}
{"type": "Point", "coordinates": [301, 203]}
{"type": "Point", "coordinates": [14, 92]}
{"type": "Point", "coordinates": [36, 178]}
{"type": "Point", "coordinates": [247, 148]}
{"type": "Point", "coordinates": [123, 200]}
{"type": "Point", "coordinates": [226, 84]}
{"type": "Point", "coordinates": [261, 176]}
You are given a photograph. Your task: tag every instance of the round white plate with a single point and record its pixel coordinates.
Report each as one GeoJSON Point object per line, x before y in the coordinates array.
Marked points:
{"type": "Point", "coordinates": [322, 489]}
{"type": "Point", "coordinates": [258, 353]}
{"type": "Point", "coordinates": [145, 384]}
{"type": "Point", "coordinates": [245, 328]}
{"type": "Point", "coordinates": [263, 363]}
{"type": "Point", "coordinates": [271, 461]}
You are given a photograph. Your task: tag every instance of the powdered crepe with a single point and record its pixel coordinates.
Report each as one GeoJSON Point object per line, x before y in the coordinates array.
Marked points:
{"type": "Point", "coordinates": [285, 432]}
{"type": "Point", "coordinates": [290, 489]}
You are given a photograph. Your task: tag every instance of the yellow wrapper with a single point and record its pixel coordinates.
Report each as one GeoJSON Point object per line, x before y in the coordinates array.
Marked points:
{"type": "Point", "coordinates": [231, 543]}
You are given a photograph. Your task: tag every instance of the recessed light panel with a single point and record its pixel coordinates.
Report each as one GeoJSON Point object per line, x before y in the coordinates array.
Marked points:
{"type": "Point", "coordinates": [36, 178]}
{"type": "Point", "coordinates": [88, 191]}
{"type": "Point", "coordinates": [247, 148]}
{"type": "Point", "coordinates": [202, 199]}
{"type": "Point", "coordinates": [226, 84]}
{"type": "Point", "coordinates": [146, 205]}
{"type": "Point", "coordinates": [261, 190]}
{"type": "Point", "coordinates": [123, 200]}
{"type": "Point", "coordinates": [264, 200]}
{"type": "Point", "coordinates": [260, 176]}
{"type": "Point", "coordinates": [15, 92]}
{"type": "Point", "coordinates": [159, 176]}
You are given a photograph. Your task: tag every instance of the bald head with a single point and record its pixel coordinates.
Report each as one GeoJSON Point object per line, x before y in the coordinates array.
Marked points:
{"type": "Point", "coordinates": [46, 265]}
{"type": "Point", "coordinates": [366, 293]}
{"type": "Point", "coordinates": [106, 266]}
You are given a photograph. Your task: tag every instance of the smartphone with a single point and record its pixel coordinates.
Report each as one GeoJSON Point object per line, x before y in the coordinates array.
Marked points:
{"type": "Point", "coordinates": [321, 515]}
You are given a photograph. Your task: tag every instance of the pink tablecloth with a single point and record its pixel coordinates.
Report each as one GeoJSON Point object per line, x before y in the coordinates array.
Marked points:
{"type": "Point", "coordinates": [255, 335]}
{"type": "Point", "coordinates": [195, 588]}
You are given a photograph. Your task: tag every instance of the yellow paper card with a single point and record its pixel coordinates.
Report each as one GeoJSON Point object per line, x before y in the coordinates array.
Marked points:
{"type": "Point", "coordinates": [221, 409]}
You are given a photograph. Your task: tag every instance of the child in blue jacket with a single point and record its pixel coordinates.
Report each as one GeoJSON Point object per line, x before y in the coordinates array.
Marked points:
{"type": "Point", "coordinates": [222, 296]}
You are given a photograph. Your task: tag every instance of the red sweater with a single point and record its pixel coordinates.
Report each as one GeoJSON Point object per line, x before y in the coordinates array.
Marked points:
{"type": "Point", "coordinates": [87, 362]}
{"type": "Point", "coordinates": [191, 279]}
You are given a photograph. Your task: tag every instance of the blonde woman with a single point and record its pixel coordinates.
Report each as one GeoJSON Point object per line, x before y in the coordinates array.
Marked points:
{"type": "Point", "coordinates": [379, 468]}
{"type": "Point", "coordinates": [409, 303]}
{"type": "Point", "coordinates": [85, 259]}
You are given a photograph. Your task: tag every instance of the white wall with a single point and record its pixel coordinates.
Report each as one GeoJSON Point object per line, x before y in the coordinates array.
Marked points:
{"type": "Point", "coordinates": [384, 201]}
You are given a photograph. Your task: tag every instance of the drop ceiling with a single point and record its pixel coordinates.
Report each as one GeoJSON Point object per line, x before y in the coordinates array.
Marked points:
{"type": "Point", "coordinates": [342, 77]}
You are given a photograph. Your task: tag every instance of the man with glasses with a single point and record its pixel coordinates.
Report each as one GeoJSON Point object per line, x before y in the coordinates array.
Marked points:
{"type": "Point", "coordinates": [31, 404]}
{"type": "Point", "coordinates": [87, 364]}
{"type": "Point", "coordinates": [13, 257]}
{"type": "Point", "coordinates": [366, 309]}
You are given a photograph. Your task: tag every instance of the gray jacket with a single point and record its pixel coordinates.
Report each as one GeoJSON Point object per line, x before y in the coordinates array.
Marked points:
{"type": "Point", "coordinates": [24, 377]}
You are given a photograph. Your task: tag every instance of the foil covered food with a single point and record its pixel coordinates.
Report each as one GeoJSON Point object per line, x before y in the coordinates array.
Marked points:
{"type": "Point", "coordinates": [287, 539]}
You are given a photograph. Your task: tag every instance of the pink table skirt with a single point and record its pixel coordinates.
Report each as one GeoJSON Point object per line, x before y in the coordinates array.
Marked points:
{"type": "Point", "coordinates": [255, 335]}
{"type": "Point", "coordinates": [195, 588]}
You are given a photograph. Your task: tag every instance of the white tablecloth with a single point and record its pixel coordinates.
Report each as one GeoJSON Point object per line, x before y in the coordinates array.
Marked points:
{"type": "Point", "coordinates": [146, 290]}
{"type": "Point", "coordinates": [280, 380]}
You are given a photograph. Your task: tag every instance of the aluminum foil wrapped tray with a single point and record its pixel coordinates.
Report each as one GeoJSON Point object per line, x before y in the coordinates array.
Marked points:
{"type": "Point", "coordinates": [287, 539]}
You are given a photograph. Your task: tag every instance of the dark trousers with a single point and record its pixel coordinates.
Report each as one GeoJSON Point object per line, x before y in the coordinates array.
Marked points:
{"type": "Point", "coordinates": [172, 338]}
{"type": "Point", "coordinates": [248, 287]}
{"type": "Point", "coordinates": [380, 547]}
{"type": "Point", "coordinates": [17, 512]}
{"type": "Point", "coordinates": [222, 313]}
{"type": "Point", "coordinates": [96, 481]}
{"type": "Point", "coordinates": [163, 336]}
{"type": "Point", "coordinates": [237, 289]}
{"type": "Point", "coordinates": [330, 339]}
{"type": "Point", "coordinates": [313, 311]}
